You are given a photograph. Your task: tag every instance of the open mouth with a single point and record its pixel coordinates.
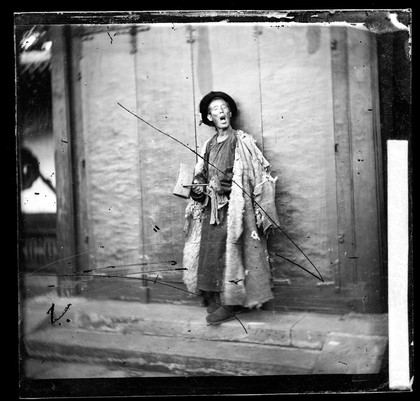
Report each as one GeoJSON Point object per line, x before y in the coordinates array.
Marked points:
{"type": "Point", "coordinates": [222, 118]}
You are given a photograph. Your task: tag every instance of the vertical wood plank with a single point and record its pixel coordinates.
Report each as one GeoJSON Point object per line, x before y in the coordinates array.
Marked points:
{"type": "Point", "coordinates": [364, 164]}
{"type": "Point", "coordinates": [343, 162]}
{"type": "Point", "coordinates": [380, 172]}
{"type": "Point", "coordinates": [60, 65]}
{"type": "Point", "coordinates": [79, 157]}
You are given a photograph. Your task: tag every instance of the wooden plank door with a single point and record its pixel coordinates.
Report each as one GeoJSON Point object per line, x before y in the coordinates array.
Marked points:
{"type": "Point", "coordinates": [321, 132]}
{"type": "Point", "coordinates": [314, 113]}
{"type": "Point", "coordinates": [135, 222]}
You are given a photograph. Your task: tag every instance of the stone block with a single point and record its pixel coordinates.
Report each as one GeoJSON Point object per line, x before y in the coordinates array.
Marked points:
{"type": "Point", "coordinates": [313, 329]}
{"type": "Point", "coordinates": [350, 354]}
{"type": "Point", "coordinates": [189, 356]}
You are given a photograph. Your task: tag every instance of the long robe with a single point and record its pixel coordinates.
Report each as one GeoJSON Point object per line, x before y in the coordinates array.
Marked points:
{"type": "Point", "coordinates": [219, 159]}
{"type": "Point", "coordinates": [251, 213]}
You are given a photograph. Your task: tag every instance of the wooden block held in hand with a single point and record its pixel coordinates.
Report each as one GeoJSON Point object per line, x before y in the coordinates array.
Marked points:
{"type": "Point", "coordinates": [185, 177]}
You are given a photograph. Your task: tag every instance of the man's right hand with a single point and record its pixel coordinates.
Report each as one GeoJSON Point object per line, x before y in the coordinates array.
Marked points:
{"type": "Point", "coordinates": [196, 189]}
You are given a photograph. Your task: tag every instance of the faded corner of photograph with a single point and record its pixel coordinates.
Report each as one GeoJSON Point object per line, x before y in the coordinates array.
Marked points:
{"type": "Point", "coordinates": [205, 199]}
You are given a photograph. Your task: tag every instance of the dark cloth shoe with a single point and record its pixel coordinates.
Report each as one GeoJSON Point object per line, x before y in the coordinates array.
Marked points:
{"type": "Point", "coordinates": [223, 314]}
{"type": "Point", "coordinates": [214, 304]}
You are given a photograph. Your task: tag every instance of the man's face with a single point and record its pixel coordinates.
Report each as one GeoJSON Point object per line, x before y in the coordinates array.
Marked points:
{"type": "Point", "coordinates": [219, 113]}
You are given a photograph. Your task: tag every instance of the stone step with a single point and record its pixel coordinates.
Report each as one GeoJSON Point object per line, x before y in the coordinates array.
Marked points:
{"type": "Point", "coordinates": [178, 339]}
{"type": "Point", "coordinates": [289, 329]}
{"type": "Point", "coordinates": [168, 354]}
{"type": "Point", "coordinates": [39, 368]}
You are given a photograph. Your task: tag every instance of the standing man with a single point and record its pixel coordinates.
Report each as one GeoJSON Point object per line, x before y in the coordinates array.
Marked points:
{"type": "Point", "coordinates": [228, 220]}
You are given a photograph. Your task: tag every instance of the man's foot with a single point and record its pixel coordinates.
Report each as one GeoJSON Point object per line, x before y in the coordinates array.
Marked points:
{"type": "Point", "coordinates": [223, 314]}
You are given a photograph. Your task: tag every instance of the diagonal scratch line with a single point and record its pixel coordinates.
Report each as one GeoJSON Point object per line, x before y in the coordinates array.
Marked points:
{"type": "Point", "coordinates": [172, 262]}
{"type": "Point", "coordinates": [296, 264]}
{"type": "Point", "coordinates": [59, 260]}
{"type": "Point", "coordinates": [319, 277]}
{"type": "Point", "coordinates": [35, 273]}
{"type": "Point", "coordinates": [143, 271]}
{"type": "Point", "coordinates": [150, 280]}
{"type": "Point", "coordinates": [121, 274]}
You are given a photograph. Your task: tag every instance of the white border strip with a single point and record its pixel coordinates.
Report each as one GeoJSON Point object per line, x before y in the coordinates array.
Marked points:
{"type": "Point", "coordinates": [399, 375]}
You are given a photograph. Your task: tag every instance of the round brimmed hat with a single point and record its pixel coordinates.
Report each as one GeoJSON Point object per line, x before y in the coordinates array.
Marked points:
{"type": "Point", "coordinates": [206, 100]}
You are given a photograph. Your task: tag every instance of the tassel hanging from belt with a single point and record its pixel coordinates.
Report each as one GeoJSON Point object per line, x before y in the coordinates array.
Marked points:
{"type": "Point", "coordinates": [218, 199]}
